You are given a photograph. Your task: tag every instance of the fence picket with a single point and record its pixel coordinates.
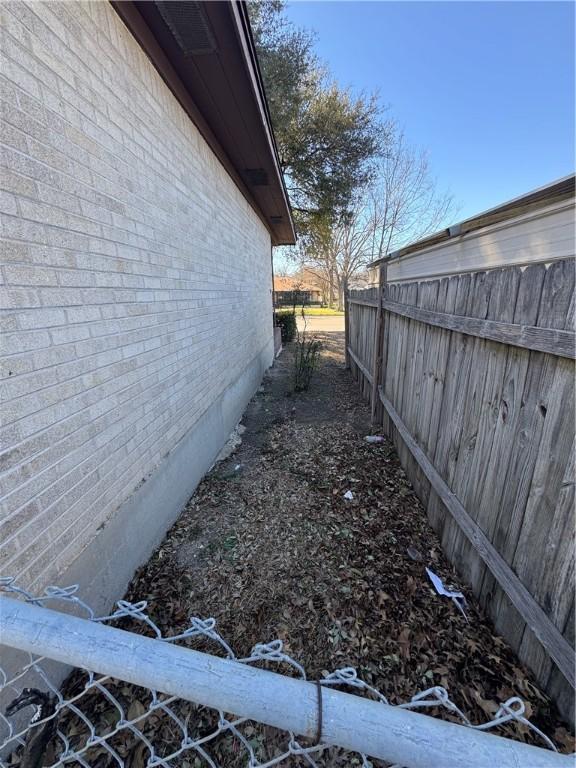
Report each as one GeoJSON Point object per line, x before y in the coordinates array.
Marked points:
{"type": "Point", "coordinates": [448, 418]}
{"type": "Point", "coordinates": [507, 426]}
{"type": "Point", "coordinates": [466, 411]}
{"type": "Point", "coordinates": [446, 301]}
{"type": "Point", "coordinates": [503, 286]}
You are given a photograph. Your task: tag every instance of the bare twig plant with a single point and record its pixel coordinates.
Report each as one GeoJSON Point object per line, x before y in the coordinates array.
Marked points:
{"type": "Point", "coordinates": [306, 355]}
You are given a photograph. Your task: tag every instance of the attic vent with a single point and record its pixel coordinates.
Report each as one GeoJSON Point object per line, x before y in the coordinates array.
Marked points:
{"type": "Point", "coordinates": [276, 219]}
{"type": "Point", "coordinates": [188, 24]}
{"type": "Point", "coordinates": [257, 177]}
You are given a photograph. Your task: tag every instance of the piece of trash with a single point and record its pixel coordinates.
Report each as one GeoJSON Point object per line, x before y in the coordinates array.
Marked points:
{"type": "Point", "coordinates": [374, 439]}
{"type": "Point", "coordinates": [237, 467]}
{"type": "Point", "coordinates": [349, 495]}
{"type": "Point", "coordinates": [457, 597]}
{"type": "Point", "coordinates": [413, 554]}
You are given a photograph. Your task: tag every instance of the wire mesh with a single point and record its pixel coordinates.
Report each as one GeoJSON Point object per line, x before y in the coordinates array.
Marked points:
{"type": "Point", "coordinates": [97, 721]}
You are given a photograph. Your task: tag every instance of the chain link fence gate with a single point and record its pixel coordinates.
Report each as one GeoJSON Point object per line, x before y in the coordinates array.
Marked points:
{"type": "Point", "coordinates": [111, 711]}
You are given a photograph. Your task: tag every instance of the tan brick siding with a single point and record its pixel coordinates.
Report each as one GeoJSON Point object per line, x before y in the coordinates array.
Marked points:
{"type": "Point", "coordinates": [136, 278]}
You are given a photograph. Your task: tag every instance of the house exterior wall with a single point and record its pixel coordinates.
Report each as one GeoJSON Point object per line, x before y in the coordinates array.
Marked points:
{"type": "Point", "coordinates": [137, 300]}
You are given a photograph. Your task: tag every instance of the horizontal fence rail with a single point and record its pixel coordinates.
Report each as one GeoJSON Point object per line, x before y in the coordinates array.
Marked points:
{"type": "Point", "coordinates": [328, 716]}
{"type": "Point", "coordinates": [360, 365]}
{"type": "Point", "coordinates": [473, 377]}
{"type": "Point", "coordinates": [557, 342]}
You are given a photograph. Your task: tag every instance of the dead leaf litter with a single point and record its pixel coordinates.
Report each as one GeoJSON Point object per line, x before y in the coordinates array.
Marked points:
{"type": "Point", "coordinates": [272, 546]}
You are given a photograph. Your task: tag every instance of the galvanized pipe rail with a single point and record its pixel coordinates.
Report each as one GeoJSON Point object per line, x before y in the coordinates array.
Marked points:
{"type": "Point", "coordinates": [381, 731]}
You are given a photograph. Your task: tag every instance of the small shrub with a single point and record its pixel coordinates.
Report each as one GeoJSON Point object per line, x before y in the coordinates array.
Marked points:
{"type": "Point", "coordinates": [305, 361]}
{"type": "Point", "coordinates": [287, 322]}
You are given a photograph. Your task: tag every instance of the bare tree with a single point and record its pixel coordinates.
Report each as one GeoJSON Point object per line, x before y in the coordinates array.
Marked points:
{"type": "Point", "coordinates": [402, 205]}
{"type": "Point", "coordinates": [405, 199]}
{"type": "Point", "coordinates": [346, 248]}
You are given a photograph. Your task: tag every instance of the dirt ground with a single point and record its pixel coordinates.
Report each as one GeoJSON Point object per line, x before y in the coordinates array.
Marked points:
{"type": "Point", "coordinates": [271, 548]}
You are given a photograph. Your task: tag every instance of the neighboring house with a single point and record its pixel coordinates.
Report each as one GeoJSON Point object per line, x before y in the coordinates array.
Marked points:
{"type": "Point", "coordinates": [519, 232]}
{"type": "Point", "coordinates": [143, 195]}
{"type": "Point", "coordinates": [294, 290]}
{"type": "Point", "coordinates": [363, 279]}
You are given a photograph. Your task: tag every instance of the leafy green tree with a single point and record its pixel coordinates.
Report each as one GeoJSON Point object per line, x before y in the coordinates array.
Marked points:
{"type": "Point", "coordinates": [328, 140]}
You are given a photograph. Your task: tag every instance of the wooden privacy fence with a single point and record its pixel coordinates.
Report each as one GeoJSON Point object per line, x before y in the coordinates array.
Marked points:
{"type": "Point", "coordinates": [473, 378]}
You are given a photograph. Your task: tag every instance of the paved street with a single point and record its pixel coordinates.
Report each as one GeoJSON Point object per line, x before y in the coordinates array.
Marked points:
{"type": "Point", "coordinates": [322, 324]}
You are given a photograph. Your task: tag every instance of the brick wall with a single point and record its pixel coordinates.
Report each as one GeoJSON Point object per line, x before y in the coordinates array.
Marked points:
{"type": "Point", "coordinates": [137, 283]}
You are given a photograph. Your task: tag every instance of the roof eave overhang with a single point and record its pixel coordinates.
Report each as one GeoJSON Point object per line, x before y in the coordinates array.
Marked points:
{"type": "Point", "coordinates": [223, 94]}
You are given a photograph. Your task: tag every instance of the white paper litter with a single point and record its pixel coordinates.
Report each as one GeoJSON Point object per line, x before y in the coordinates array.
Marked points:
{"type": "Point", "coordinates": [457, 597]}
{"type": "Point", "coordinates": [349, 495]}
{"type": "Point", "coordinates": [374, 439]}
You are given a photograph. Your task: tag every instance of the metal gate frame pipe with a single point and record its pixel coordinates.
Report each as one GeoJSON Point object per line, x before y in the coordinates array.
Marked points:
{"type": "Point", "coordinates": [354, 723]}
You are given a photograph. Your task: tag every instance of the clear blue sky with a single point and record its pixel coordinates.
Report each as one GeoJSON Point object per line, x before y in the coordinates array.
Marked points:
{"type": "Point", "coordinates": [486, 87]}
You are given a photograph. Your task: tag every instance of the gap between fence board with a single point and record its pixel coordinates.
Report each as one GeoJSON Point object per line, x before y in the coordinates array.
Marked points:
{"type": "Point", "coordinates": [550, 637]}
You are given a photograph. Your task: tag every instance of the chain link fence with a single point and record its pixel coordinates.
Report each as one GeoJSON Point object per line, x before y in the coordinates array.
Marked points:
{"type": "Point", "coordinates": [98, 721]}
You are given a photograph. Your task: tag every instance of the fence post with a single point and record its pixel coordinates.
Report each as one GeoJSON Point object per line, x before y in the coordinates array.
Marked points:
{"type": "Point", "coordinates": [346, 325]}
{"type": "Point", "coordinates": [378, 340]}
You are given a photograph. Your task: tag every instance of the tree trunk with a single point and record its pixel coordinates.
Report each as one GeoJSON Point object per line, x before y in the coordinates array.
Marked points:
{"type": "Point", "coordinates": [340, 295]}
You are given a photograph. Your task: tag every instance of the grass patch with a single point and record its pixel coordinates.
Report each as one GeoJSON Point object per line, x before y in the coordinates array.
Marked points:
{"type": "Point", "coordinates": [318, 311]}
